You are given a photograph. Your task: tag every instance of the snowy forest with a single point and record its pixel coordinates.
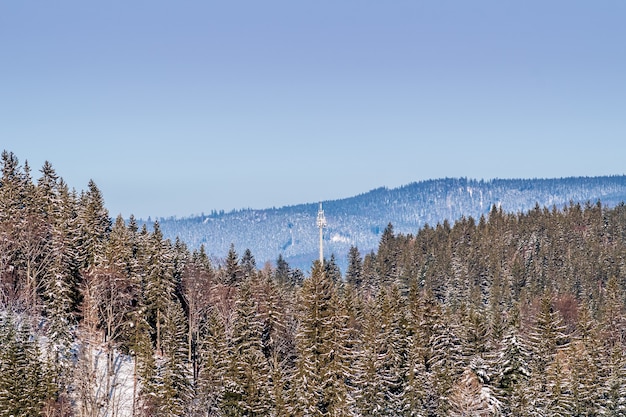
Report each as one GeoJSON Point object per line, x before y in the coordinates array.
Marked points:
{"type": "Point", "coordinates": [360, 220]}
{"type": "Point", "coordinates": [508, 314]}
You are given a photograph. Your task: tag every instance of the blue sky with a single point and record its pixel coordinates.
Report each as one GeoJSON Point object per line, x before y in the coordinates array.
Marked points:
{"type": "Point", "coordinates": [178, 108]}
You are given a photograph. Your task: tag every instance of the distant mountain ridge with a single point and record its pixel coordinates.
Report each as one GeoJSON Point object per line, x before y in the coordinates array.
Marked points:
{"type": "Point", "coordinates": [360, 220]}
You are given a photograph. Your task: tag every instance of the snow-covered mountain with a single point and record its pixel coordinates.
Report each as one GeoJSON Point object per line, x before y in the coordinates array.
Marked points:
{"type": "Point", "coordinates": [359, 221]}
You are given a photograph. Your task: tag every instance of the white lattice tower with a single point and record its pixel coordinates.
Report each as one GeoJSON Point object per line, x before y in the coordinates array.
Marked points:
{"type": "Point", "coordinates": [321, 223]}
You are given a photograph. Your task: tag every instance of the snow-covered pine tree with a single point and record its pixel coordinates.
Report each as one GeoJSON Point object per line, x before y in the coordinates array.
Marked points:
{"type": "Point", "coordinates": [277, 338]}
{"type": "Point", "coordinates": [472, 395]}
{"type": "Point", "coordinates": [159, 280]}
{"type": "Point", "coordinates": [446, 359]}
{"type": "Point", "coordinates": [391, 352]}
{"type": "Point", "coordinates": [584, 361]}
{"type": "Point", "coordinates": [25, 381]}
{"type": "Point", "coordinates": [173, 393]}
{"type": "Point", "coordinates": [613, 365]}
{"type": "Point", "coordinates": [196, 281]}
{"type": "Point", "coordinates": [513, 373]}
{"type": "Point", "coordinates": [546, 337]}
{"type": "Point", "coordinates": [61, 289]}
{"type": "Point", "coordinates": [365, 374]}
{"type": "Point", "coordinates": [231, 273]}
{"type": "Point", "coordinates": [95, 225]}
{"type": "Point", "coordinates": [332, 271]}
{"type": "Point", "coordinates": [354, 273]}
{"type": "Point", "coordinates": [212, 366]}
{"type": "Point", "coordinates": [248, 264]}
{"type": "Point", "coordinates": [320, 380]}
{"type": "Point", "coordinates": [247, 383]}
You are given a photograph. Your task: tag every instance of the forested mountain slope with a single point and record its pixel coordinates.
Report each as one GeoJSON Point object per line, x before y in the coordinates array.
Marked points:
{"type": "Point", "coordinates": [359, 221]}
{"type": "Point", "coordinates": [508, 314]}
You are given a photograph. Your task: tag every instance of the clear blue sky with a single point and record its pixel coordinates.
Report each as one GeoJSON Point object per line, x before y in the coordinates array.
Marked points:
{"type": "Point", "coordinates": [181, 107]}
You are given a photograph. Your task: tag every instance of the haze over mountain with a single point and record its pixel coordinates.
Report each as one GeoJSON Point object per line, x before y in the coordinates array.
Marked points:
{"type": "Point", "coordinates": [359, 221]}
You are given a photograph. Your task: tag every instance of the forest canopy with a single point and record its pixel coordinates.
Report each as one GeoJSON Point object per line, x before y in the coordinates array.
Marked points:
{"type": "Point", "coordinates": [512, 314]}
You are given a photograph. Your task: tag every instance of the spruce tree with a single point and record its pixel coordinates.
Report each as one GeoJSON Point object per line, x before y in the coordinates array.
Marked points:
{"type": "Point", "coordinates": [159, 286]}
{"type": "Point", "coordinates": [231, 273]}
{"type": "Point", "coordinates": [95, 224]}
{"type": "Point", "coordinates": [546, 338]}
{"type": "Point", "coordinates": [321, 369]}
{"type": "Point", "coordinates": [354, 273]}
{"type": "Point", "coordinates": [213, 365]}
{"type": "Point", "coordinates": [173, 390]}
{"type": "Point", "coordinates": [282, 273]}
{"type": "Point", "coordinates": [247, 384]}
{"type": "Point", "coordinates": [513, 373]}
{"type": "Point", "coordinates": [392, 352]}
{"type": "Point", "coordinates": [25, 382]}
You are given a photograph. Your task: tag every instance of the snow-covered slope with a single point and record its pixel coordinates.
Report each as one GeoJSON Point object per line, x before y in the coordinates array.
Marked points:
{"type": "Point", "coordinates": [360, 220]}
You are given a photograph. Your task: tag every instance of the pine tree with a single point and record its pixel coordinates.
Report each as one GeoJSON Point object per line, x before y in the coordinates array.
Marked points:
{"type": "Point", "coordinates": [60, 287]}
{"type": "Point", "coordinates": [387, 258]}
{"type": "Point", "coordinates": [332, 271]}
{"type": "Point", "coordinates": [160, 286]}
{"type": "Point", "coordinates": [370, 275]}
{"type": "Point", "coordinates": [612, 329]}
{"type": "Point", "coordinates": [321, 368]}
{"type": "Point", "coordinates": [546, 338]}
{"type": "Point", "coordinates": [471, 395]}
{"type": "Point", "coordinates": [584, 362]}
{"type": "Point", "coordinates": [95, 224]}
{"type": "Point", "coordinates": [282, 273]}
{"type": "Point", "coordinates": [366, 376]}
{"type": "Point", "coordinates": [25, 382]}
{"type": "Point", "coordinates": [392, 352]}
{"type": "Point", "coordinates": [248, 264]}
{"type": "Point", "coordinates": [197, 280]}
{"type": "Point", "coordinates": [212, 367]}
{"type": "Point", "coordinates": [35, 222]}
{"type": "Point", "coordinates": [247, 385]}
{"type": "Point", "coordinates": [446, 359]}
{"type": "Point", "coordinates": [354, 273]}
{"type": "Point", "coordinates": [513, 373]}
{"type": "Point", "coordinates": [173, 391]}
{"type": "Point", "coordinates": [231, 274]}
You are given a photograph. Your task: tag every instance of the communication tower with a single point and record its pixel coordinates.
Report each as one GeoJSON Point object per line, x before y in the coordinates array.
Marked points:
{"type": "Point", "coordinates": [321, 223]}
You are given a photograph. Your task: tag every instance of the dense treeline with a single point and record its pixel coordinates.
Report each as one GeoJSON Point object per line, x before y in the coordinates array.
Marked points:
{"type": "Point", "coordinates": [509, 314]}
{"type": "Point", "coordinates": [361, 219]}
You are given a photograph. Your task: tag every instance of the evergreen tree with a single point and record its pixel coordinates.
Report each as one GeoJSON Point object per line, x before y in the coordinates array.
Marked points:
{"type": "Point", "coordinates": [387, 258]}
{"type": "Point", "coordinates": [354, 273]}
{"type": "Point", "coordinates": [231, 274]}
{"type": "Point", "coordinates": [546, 338]}
{"type": "Point", "coordinates": [472, 395]}
{"type": "Point", "coordinates": [248, 264]}
{"type": "Point", "coordinates": [282, 273]}
{"type": "Point", "coordinates": [173, 390]}
{"type": "Point", "coordinates": [446, 360]}
{"type": "Point", "coordinates": [247, 385]}
{"type": "Point", "coordinates": [366, 376]}
{"type": "Point", "coordinates": [513, 373]}
{"type": "Point", "coordinates": [160, 285]}
{"type": "Point", "coordinates": [612, 329]}
{"type": "Point", "coordinates": [25, 382]}
{"type": "Point", "coordinates": [321, 374]}
{"type": "Point", "coordinates": [584, 363]}
{"type": "Point", "coordinates": [95, 224]}
{"type": "Point", "coordinates": [332, 271]}
{"type": "Point", "coordinates": [213, 364]}
{"type": "Point", "coordinates": [392, 352]}
{"type": "Point", "coordinates": [197, 281]}
{"type": "Point", "coordinates": [370, 275]}
{"type": "Point", "coordinates": [60, 288]}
